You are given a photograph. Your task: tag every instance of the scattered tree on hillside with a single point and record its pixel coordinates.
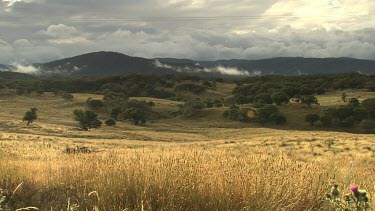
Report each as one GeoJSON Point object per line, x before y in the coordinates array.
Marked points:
{"type": "Point", "coordinates": [87, 119]}
{"type": "Point", "coordinates": [135, 115]}
{"type": "Point", "coordinates": [30, 116]}
{"type": "Point", "coordinates": [312, 118]}
{"type": "Point", "coordinates": [110, 122]}
{"type": "Point", "coordinates": [263, 97]}
{"type": "Point", "coordinates": [67, 96]}
{"type": "Point", "coordinates": [280, 97]}
{"type": "Point", "coordinates": [343, 97]}
{"type": "Point", "coordinates": [309, 100]}
{"type": "Point", "coordinates": [94, 104]}
{"type": "Point", "coordinates": [369, 105]}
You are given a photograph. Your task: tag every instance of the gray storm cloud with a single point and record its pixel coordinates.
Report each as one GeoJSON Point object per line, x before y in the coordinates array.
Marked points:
{"type": "Point", "coordinates": [160, 28]}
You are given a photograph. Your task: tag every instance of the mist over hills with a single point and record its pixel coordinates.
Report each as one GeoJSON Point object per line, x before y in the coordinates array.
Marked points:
{"type": "Point", "coordinates": [112, 63]}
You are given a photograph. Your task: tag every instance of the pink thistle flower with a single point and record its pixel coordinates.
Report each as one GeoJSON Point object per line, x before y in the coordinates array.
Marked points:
{"type": "Point", "coordinates": [353, 188]}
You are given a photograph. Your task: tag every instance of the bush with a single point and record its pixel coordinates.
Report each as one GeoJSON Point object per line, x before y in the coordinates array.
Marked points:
{"type": "Point", "coordinates": [87, 119]}
{"type": "Point", "coordinates": [278, 118]}
{"type": "Point", "coordinates": [264, 97]}
{"type": "Point", "coordinates": [266, 111]}
{"type": "Point", "coordinates": [368, 126]}
{"type": "Point", "coordinates": [369, 105]}
{"type": "Point", "coordinates": [193, 88]}
{"type": "Point", "coordinates": [135, 115]}
{"type": "Point", "coordinates": [280, 97]}
{"type": "Point", "coordinates": [191, 108]}
{"type": "Point", "coordinates": [312, 118]}
{"type": "Point", "coordinates": [94, 104]}
{"type": "Point", "coordinates": [110, 122]}
{"type": "Point", "coordinates": [30, 116]}
{"type": "Point", "coordinates": [360, 114]}
{"type": "Point", "coordinates": [326, 119]}
{"type": "Point", "coordinates": [309, 100]}
{"type": "Point", "coordinates": [67, 96]}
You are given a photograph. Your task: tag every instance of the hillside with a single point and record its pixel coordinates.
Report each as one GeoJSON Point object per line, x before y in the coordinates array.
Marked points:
{"type": "Point", "coordinates": [111, 63]}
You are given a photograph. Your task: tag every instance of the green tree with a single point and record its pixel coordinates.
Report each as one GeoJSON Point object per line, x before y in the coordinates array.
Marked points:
{"type": "Point", "coordinates": [264, 113]}
{"type": "Point", "coordinates": [87, 119]}
{"type": "Point", "coordinates": [110, 122]}
{"type": "Point", "coordinates": [94, 104]}
{"type": "Point", "coordinates": [312, 118]}
{"type": "Point", "coordinates": [369, 105]}
{"type": "Point", "coordinates": [264, 97]}
{"type": "Point", "coordinates": [30, 116]}
{"type": "Point", "coordinates": [135, 115]}
{"type": "Point", "coordinates": [67, 96]}
{"type": "Point", "coordinates": [280, 97]}
{"type": "Point", "coordinates": [309, 100]}
{"type": "Point", "coordinates": [278, 118]}
{"type": "Point", "coordinates": [343, 97]}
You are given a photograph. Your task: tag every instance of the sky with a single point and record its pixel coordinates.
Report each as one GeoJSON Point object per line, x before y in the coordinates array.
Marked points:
{"type": "Point", "coordinates": [36, 31]}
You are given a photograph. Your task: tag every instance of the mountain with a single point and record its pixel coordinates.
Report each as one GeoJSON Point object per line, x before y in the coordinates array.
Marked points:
{"type": "Point", "coordinates": [8, 76]}
{"type": "Point", "coordinates": [292, 65]}
{"type": "Point", "coordinates": [100, 63]}
{"type": "Point", "coordinates": [6, 67]}
{"type": "Point", "coordinates": [111, 63]}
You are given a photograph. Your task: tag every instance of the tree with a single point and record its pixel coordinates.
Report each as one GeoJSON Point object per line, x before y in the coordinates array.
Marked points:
{"type": "Point", "coordinates": [112, 97]}
{"type": "Point", "coordinates": [309, 100]}
{"type": "Point", "coordinates": [94, 104]}
{"type": "Point", "coordinates": [135, 115]}
{"type": "Point", "coordinates": [354, 102]}
{"type": "Point", "coordinates": [280, 97]}
{"type": "Point", "coordinates": [306, 90]}
{"type": "Point", "coordinates": [343, 112]}
{"type": "Point", "coordinates": [30, 116]}
{"type": "Point", "coordinates": [265, 97]}
{"type": "Point", "coordinates": [320, 91]}
{"type": "Point", "coordinates": [360, 114]}
{"type": "Point", "coordinates": [343, 97]}
{"type": "Point", "coordinates": [368, 126]}
{"type": "Point", "coordinates": [67, 96]}
{"type": "Point", "coordinates": [110, 122]}
{"type": "Point", "coordinates": [312, 118]}
{"type": "Point", "coordinates": [278, 118]}
{"type": "Point", "coordinates": [369, 105]}
{"type": "Point", "coordinates": [242, 100]}
{"type": "Point", "coordinates": [87, 119]}
{"type": "Point", "coordinates": [265, 112]}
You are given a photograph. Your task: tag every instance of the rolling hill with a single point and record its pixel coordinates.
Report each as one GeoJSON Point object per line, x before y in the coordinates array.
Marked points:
{"type": "Point", "coordinates": [112, 63]}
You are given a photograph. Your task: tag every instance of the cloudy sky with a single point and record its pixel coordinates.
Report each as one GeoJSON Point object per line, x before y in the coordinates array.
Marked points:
{"type": "Point", "coordinates": [44, 30]}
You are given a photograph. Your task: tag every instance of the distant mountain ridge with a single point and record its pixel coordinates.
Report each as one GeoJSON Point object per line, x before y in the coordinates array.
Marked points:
{"type": "Point", "coordinates": [111, 63]}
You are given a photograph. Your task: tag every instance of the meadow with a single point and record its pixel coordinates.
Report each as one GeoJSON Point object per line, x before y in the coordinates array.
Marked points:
{"type": "Point", "coordinates": [203, 163]}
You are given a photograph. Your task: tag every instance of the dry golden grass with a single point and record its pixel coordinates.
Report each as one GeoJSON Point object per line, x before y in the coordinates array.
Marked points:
{"type": "Point", "coordinates": [207, 163]}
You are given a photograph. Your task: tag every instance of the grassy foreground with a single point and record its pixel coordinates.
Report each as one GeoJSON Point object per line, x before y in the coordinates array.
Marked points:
{"type": "Point", "coordinates": [173, 164]}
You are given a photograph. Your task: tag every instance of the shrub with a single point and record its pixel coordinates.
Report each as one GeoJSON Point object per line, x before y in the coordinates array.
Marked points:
{"type": "Point", "coordinates": [67, 96]}
{"type": "Point", "coordinates": [94, 104]}
{"type": "Point", "coordinates": [135, 115]}
{"type": "Point", "coordinates": [309, 100]}
{"type": "Point", "coordinates": [110, 122]}
{"type": "Point", "coordinates": [312, 118]}
{"type": "Point", "coordinates": [266, 111]}
{"type": "Point", "coordinates": [320, 91]}
{"type": "Point", "coordinates": [369, 105]}
{"type": "Point", "coordinates": [87, 119]}
{"type": "Point", "coordinates": [280, 97]}
{"type": "Point", "coordinates": [193, 88]}
{"type": "Point", "coordinates": [360, 114]}
{"type": "Point", "coordinates": [368, 125]}
{"type": "Point", "coordinates": [264, 97]}
{"type": "Point", "coordinates": [278, 118]}
{"type": "Point", "coordinates": [30, 116]}
{"type": "Point", "coordinates": [354, 102]}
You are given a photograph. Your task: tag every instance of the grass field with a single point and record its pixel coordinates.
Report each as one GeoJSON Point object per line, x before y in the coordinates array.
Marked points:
{"type": "Point", "coordinates": [204, 163]}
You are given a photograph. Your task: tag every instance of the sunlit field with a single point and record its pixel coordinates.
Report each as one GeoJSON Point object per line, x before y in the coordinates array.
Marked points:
{"type": "Point", "coordinates": [204, 163]}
